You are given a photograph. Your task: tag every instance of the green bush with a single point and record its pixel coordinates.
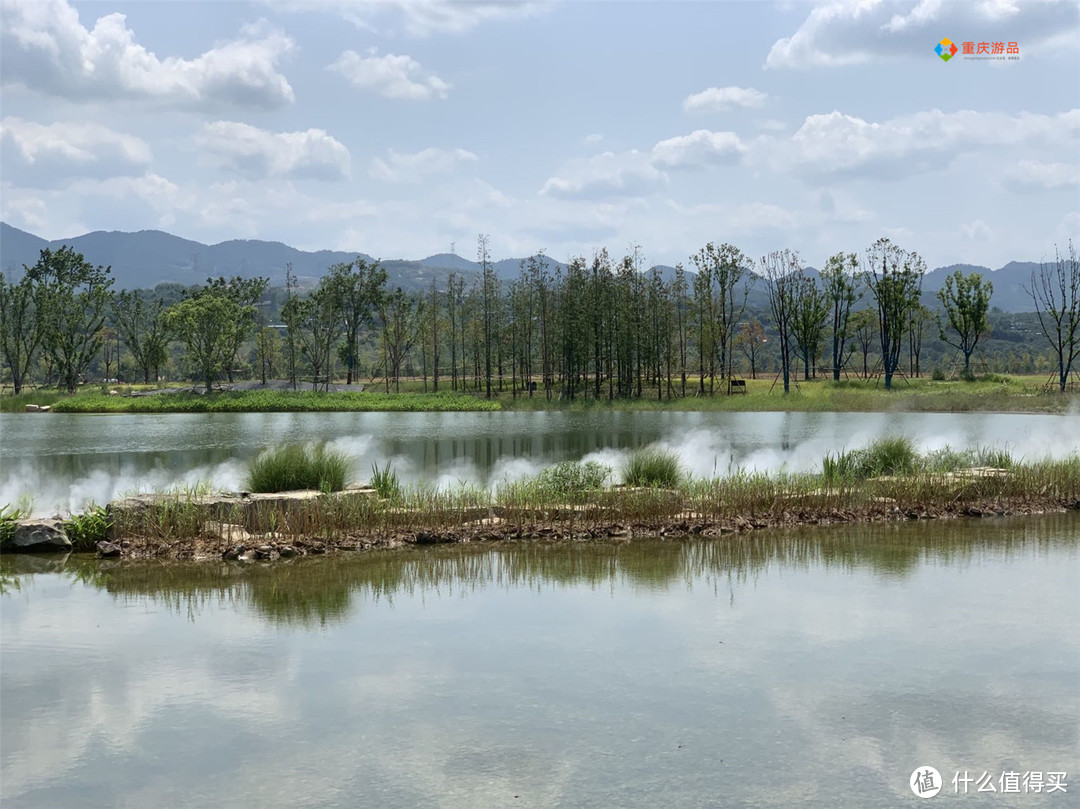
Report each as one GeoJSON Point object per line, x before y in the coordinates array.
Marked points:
{"type": "Point", "coordinates": [653, 468]}
{"type": "Point", "coordinates": [86, 530]}
{"type": "Point", "coordinates": [937, 374]}
{"type": "Point", "coordinates": [292, 466]}
{"type": "Point", "coordinates": [8, 515]}
{"type": "Point", "coordinates": [569, 477]}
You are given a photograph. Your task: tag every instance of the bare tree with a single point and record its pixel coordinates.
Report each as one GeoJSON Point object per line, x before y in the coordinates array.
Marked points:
{"type": "Point", "coordinates": [1055, 291]}
{"type": "Point", "coordinates": [782, 270]}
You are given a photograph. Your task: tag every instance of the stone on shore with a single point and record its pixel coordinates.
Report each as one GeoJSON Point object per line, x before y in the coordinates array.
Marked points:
{"type": "Point", "coordinates": [37, 536]}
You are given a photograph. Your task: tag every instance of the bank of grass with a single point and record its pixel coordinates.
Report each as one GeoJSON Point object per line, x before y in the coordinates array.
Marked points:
{"type": "Point", "coordinates": [578, 503]}
{"type": "Point", "coordinates": [267, 401]}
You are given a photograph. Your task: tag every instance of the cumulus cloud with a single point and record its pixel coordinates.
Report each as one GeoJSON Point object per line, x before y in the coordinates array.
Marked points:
{"type": "Point", "coordinates": [1035, 175]}
{"type": "Point", "coordinates": [698, 149]}
{"type": "Point", "coordinates": [977, 231]}
{"type": "Point", "coordinates": [44, 47]}
{"type": "Point", "coordinates": [38, 155]}
{"type": "Point", "coordinates": [391, 76]}
{"type": "Point", "coordinates": [606, 175]}
{"type": "Point", "coordinates": [846, 32]}
{"type": "Point", "coordinates": [255, 153]}
{"type": "Point", "coordinates": [717, 99]}
{"type": "Point", "coordinates": [835, 143]}
{"type": "Point", "coordinates": [404, 167]}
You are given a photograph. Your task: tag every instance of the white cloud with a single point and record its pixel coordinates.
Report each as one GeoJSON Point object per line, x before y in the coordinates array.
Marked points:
{"type": "Point", "coordinates": [836, 143]}
{"type": "Point", "coordinates": [391, 76]}
{"type": "Point", "coordinates": [699, 148]}
{"type": "Point", "coordinates": [421, 18]}
{"type": "Point", "coordinates": [717, 99]}
{"type": "Point", "coordinates": [846, 32]}
{"type": "Point", "coordinates": [606, 175]}
{"type": "Point", "coordinates": [977, 231]}
{"type": "Point", "coordinates": [593, 139]}
{"type": "Point", "coordinates": [39, 154]}
{"type": "Point", "coordinates": [255, 153]}
{"type": "Point", "coordinates": [44, 47]}
{"type": "Point", "coordinates": [403, 167]}
{"type": "Point", "coordinates": [1035, 175]}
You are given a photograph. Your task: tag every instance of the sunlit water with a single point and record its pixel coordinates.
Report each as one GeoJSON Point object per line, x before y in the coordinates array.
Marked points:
{"type": "Point", "coordinates": [817, 667]}
{"type": "Point", "coordinates": [62, 461]}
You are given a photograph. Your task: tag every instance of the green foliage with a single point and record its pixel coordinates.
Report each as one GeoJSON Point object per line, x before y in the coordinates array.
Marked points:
{"type": "Point", "coordinates": [386, 482]}
{"type": "Point", "coordinates": [293, 466]}
{"type": "Point", "coordinates": [573, 476]}
{"type": "Point", "coordinates": [948, 459]}
{"type": "Point", "coordinates": [654, 468]}
{"type": "Point", "coordinates": [86, 530]}
{"type": "Point", "coordinates": [938, 375]}
{"type": "Point", "coordinates": [8, 515]}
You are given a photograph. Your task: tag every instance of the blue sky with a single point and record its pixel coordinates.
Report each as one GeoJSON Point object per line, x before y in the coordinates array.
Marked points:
{"type": "Point", "coordinates": [397, 129]}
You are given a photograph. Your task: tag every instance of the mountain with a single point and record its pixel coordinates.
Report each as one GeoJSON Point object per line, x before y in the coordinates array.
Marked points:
{"type": "Point", "coordinates": [149, 257]}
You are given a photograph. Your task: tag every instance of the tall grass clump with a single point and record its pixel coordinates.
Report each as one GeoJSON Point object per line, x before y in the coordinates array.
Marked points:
{"type": "Point", "coordinates": [86, 530]}
{"type": "Point", "coordinates": [885, 456]}
{"type": "Point", "coordinates": [293, 466]}
{"type": "Point", "coordinates": [385, 481]}
{"type": "Point", "coordinates": [569, 477]}
{"type": "Point", "coordinates": [655, 468]}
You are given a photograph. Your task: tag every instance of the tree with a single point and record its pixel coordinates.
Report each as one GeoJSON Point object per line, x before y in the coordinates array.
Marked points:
{"type": "Point", "coordinates": [840, 281]}
{"type": "Point", "coordinates": [781, 270]}
{"type": "Point", "coordinates": [864, 328]}
{"type": "Point", "coordinates": [489, 294]}
{"type": "Point", "coordinates": [727, 269]}
{"type": "Point", "coordinates": [318, 323]}
{"type": "Point", "coordinates": [205, 322]}
{"type": "Point", "coordinates": [401, 318]}
{"type": "Point", "coordinates": [751, 342]}
{"type": "Point", "coordinates": [144, 328]}
{"type": "Point", "coordinates": [811, 308]}
{"type": "Point", "coordinates": [1055, 291]}
{"type": "Point", "coordinates": [245, 294]}
{"type": "Point", "coordinates": [895, 279]}
{"type": "Point", "coordinates": [21, 327]}
{"type": "Point", "coordinates": [358, 288]}
{"type": "Point", "coordinates": [966, 300]}
{"type": "Point", "coordinates": [74, 300]}
{"type": "Point", "coordinates": [920, 317]}
{"type": "Point", "coordinates": [267, 351]}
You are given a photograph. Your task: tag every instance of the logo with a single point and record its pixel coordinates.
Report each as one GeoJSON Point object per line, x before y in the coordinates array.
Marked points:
{"type": "Point", "coordinates": [945, 49]}
{"type": "Point", "coordinates": [926, 781]}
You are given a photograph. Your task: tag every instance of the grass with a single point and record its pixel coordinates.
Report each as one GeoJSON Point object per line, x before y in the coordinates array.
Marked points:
{"type": "Point", "coordinates": [86, 530]}
{"type": "Point", "coordinates": [898, 456]}
{"type": "Point", "coordinates": [654, 468]}
{"type": "Point", "coordinates": [385, 481]}
{"type": "Point", "coordinates": [8, 516]}
{"type": "Point", "coordinates": [265, 401]}
{"type": "Point", "coordinates": [292, 467]}
{"type": "Point", "coordinates": [990, 393]}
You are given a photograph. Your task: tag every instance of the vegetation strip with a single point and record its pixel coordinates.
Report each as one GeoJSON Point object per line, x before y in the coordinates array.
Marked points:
{"type": "Point", "coordinates": [885, 481]}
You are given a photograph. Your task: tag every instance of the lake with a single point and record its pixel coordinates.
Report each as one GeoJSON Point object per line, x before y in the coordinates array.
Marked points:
{"type": "Point", "coordinates": [813, 667]}
{"type": "Point", "coordinates": [64, 460]}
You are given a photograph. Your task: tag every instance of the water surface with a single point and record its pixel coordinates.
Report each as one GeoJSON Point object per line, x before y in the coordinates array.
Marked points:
{"type": "Point", "coordinates": [816, 667]}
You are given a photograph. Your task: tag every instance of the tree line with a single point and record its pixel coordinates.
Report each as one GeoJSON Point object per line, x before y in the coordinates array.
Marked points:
{"type": "Point", "coordinates": [599, 328]}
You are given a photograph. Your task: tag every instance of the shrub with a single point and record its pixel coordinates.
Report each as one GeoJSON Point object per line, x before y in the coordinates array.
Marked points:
{"type": "Point", "coordinates": [86, 530]}
{"type": "Point", "coordinates": [8, 515]}
{"type": "Point", "coordinates": [572, 476]}
{"type": "Point", "coordinates": [937, 374]}
{"type": "Point", "coordinates": [652, 467]}
{"type": "Point", "coordinates": [292, 466]}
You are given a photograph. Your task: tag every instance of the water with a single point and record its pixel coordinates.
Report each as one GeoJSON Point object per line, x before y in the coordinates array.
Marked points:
{"type": "Point", "coordinates": [816, 667]}
{"type": "Point", "coordinates": [64, 460]}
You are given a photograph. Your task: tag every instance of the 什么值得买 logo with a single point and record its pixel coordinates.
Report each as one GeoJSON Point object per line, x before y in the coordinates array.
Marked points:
{"type": "Point", "coordinates": [945, 49]}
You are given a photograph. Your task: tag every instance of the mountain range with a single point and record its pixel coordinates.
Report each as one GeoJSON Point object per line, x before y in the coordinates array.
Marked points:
{"type": "Point", "coordinates": [150, 257]}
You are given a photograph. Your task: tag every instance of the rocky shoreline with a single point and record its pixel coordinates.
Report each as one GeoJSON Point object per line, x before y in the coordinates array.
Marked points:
{"type": "Point", "coordinates": [220, 540]}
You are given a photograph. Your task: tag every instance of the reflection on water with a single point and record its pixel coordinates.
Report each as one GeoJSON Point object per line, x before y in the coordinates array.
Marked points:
{"type": "Point", "coordinates": [64, 460]}
{"type": "Point", "coordinates": [813, 667]}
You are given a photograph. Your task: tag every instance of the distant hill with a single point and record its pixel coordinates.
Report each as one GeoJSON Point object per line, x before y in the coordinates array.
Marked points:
{"type": "Point", "coordinates": [149, 257]}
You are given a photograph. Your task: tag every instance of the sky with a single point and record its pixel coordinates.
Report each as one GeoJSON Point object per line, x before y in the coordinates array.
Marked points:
{"type": "Point", "coordinates": [403, 129]}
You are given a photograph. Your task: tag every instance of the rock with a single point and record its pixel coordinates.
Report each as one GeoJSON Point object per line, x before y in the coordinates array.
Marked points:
{"type": "Point", "coordinates": [264, 552]}
{"type": "Point", "coordinates": [32, 408]}
{"type": "Point", "coordinates": [227, 532]}
{"type": "Point", "coordinates": [37, 536]}
{"type": "Point", "coordinates": [288, 552]}
{"type": "Point", "coordinates": [246, 556]}
{"type": "Point", "coordinates": [232, 554]}
{"type": "Point", "coordinates": [107, 550]}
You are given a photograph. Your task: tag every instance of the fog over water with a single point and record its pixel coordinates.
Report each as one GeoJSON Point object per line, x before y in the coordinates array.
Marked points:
{"type": "Point", "coordinates": [60, 462]}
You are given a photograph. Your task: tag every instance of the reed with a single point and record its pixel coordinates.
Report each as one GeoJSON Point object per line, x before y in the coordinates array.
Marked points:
{"type": "Point", "coordinates": [292, 467]}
